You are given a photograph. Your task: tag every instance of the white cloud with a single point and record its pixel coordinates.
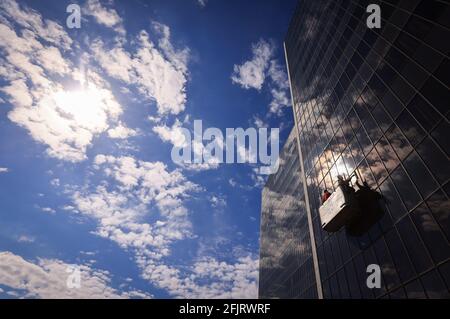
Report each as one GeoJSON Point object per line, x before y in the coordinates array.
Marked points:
{"type": "Point", "coordinates": [252, 73]}
{"type": "Point", "coordinates": [280, 88]}
{"type": "Point", "coordinates": [26, 239]}
{"type": "Point", "coordinates": [122, 211]}
{"type": "Point", "coordinates": [65, 120]}
{"type": "Point", "coordinates": [262, 66]}
{"type": "Point", "coordinates": [208, 278]}
{"type": "Point", "coordinates": [50, 31]}
{"type": "Point", "coordinates": [121, 132]}
{"type": "Point", "coordinates": [47, 278]}
{"type": "Point", "coordinates": [159, 75]}
{"type": "Point", "coordinates": [55, 182]}
{"type": "Point", "coordinates": [202, 3]}
{"type": "Point", "coordinates": [175, 136]}
{"type": "Point", "coordinates": [104, 16]}
{"type": "Point", "coordinates": [218, 201]}
{"type": "Point", "coordinates": [4, 170]}
{"type": "Point", "coordinates": [143, 189]}
{"type": "Point", "coordinates": [259, 122]}
{"type": "Point", "coordinates": [48, 210]}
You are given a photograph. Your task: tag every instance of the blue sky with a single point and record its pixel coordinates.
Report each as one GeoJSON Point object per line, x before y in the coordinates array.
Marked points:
{"type": "Point", "coordinates": [88, 118]}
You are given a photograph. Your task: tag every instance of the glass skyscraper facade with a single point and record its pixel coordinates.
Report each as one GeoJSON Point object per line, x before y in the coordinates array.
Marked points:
{"type": "Point", "coordinates": [374, 101]}
{"type": "Point", "coordinates": [286, 262]}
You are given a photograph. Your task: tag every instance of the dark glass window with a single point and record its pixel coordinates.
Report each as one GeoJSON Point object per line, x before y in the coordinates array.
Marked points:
{"type": "Point", "coordinates": [352, 281]}
{"type": "Point", "coordinates": [398, 142]}
{"type": "Point", "coordinates": [399, 256]}
{"type": "Point", "coordinates": [343, 285]}
{"type": "Point", "coordinates": [443, 71]}
{"type": "Point", "coordinates": [403, 90]}
{"type": "Point", "coordinates": [392, 200]}
{"type": "Point", "coordinates": [387, 155]}
{"type": "Point", "coordinates": [392, 103]}
{"type": "Point", "coordinates": [326, 289]}
{"type": "Point", "coordinates": [414, 246]}
{"type": "Point", "coordinates": [436, 161]}
{"type": "Point", "coordinates": [377, 167]}
{"type": "Point", "coordinates": [335, 252]}
{"type": "Point", "coordinates": [423, 112]}
{"type": "Point", "coordinates": [414, 290]}
{"type": "Point", "coordinates": [398, 294]}
{"type": "Point", "coordinates": [414, 73]}
{"type": "Point", "coordinates": [444, 270]}
{"type": "Point", "coordinates": [364, 140]}
{"type": "Point", "coordinates": [420, 175]}
{"type": "Point", "coordinates": [356, 151]}
{"type": "Point", "coordinates": [329, 257]}
{"type": "Point", "coordinates": [434, 286]}
{"type": "Point", "coordinates": [361, 267]}
{"type": "Point", "coordinates": [410, 128]}
{"type": "Point", "coordinates": [405, 188]}
{"type": "Point", "coordinates": [387, 266]}
{"type": "Point", "coordinates": [437, 94]}
{"type": "Point", "coordinates": [439, 205]}
{"type": "Point", "coordinates": [345, 252]}
{"type": "Point", "coordinates": [431, 233]}
{"type": "Point", "coordinates": [441, 134]}
{"type": "Point", "coordinates": [382, 118]}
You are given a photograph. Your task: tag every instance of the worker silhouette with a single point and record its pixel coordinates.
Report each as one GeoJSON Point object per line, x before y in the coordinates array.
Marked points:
{"type": "Point", "coordinates": [326, 194]}
{"type": "Point", "coordinates": [345, 184]}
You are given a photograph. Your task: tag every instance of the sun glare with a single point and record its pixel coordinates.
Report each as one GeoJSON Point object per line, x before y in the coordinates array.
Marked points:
{"type": "Point", "coordinates": [85, 106]}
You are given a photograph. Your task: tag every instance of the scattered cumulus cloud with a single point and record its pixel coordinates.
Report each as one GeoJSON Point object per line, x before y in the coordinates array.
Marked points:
{"type": "Point", "coordinates": [47, 278]}
{"type": "Point", "coordinates": [202, 3]}
{"type": "Point", "coordinates": [104, 16]}
{"type": "Point", "coordinates": [160, 75]}
{"type": "Point", "coordinates": [121, 132]}
{"type": "Point", "coordinates": [253, 74]}
{"type": "Point", "coordinates": [48, 210]}
{"type": "Point", "coordinates": [26, 239]}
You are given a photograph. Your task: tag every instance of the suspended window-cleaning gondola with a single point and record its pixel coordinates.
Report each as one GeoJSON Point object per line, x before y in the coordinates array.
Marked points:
{"type": "Point", "coordinates": [357, 210]}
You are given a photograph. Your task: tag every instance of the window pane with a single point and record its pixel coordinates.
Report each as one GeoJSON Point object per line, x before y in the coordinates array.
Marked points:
{"type": "Point", "coordinates": [387, 155]}
{"type": "Point", "coordinates": [360, 267]}
{"type": "Point", "coordinates": [343, 285]}
{"type": "Point", "coordinates": [431, 234]}
{"type": "Point", "coordinates": [410, 128]}
{"type": "Point", "coordinates": [440, 208]}
{"type": "Point", "coordinates": [364, 140]}
{"type": "Point", "coordinates": [377, 167]}
{"type": "Point", "coordinates": [392, 201]}
{"type": "Point", "coordinates": [398, 142]}
{"type": "Point", "coordinates": [444, 270]}
{"type": "Point", "coordinates": [387, 266]}
{"type": "Point", "coordinates": [392, 103]}
{"type": "Point", "coordinates": [440, 134]}
{"type": "Point", "coordinates": [437, 94]}
{"type": "Point", "coordinates": [398, 294]}
{"type": "Point", "coordinates": [420, 175]}
{"type": "Point", "coordinates": [405, 188]}
{"type": "Point", "coordinates": [423, 112]}
{"type": "Point", "coordinates": [382, 118]}
{"type": "Point", "coordinates": [436, 161]}
{"type": "Point", "coordinates": [334, 286]}
{"type": "Point", "coordinates": [399, 256]}
{"type": "Point", "coordinates": [352, 281]}
{"type": "Point", "coordinates": [414, 246]}
{"type": "Point", "coordinates": [414, 290]}
{"type": "Point", "coordinates": [434, 286]}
